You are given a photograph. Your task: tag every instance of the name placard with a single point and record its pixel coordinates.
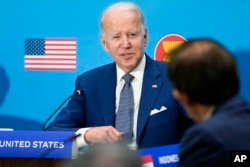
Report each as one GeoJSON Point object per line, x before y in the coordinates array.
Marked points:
{"type": "Point", "coordinates": [164, 156]}
{"type": "Point", "coordinates": [37, 144]}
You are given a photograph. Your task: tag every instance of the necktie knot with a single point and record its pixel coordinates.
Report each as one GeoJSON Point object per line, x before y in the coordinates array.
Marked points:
{"type": "Point", "coordinates": [128, 78]}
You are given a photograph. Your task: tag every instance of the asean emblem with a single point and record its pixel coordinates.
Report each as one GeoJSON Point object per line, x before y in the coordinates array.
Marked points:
{"type": "Point", "coordinates": [165, 45]}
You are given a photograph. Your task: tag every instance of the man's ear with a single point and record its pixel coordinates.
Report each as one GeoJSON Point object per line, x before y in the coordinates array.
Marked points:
{"type": "Point", "coordinates": [181, 97]}
{"type": "Point", "coordinates": [104, 43]}
{"type": "Point", "coordinates": [145, 37]}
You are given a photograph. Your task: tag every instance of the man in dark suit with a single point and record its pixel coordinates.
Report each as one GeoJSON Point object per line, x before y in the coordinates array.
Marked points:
{"type": "Point", "coordinates": [206, 82]}
{"type": "Point", "coordinates": [157, 120]}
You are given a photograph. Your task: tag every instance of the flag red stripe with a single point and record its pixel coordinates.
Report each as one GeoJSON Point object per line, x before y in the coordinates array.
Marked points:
{"type": "Point", "coordinates": [60, 54]}
{"type": "Point", "coordinates": [54, 69]}
{"type": "Point", "coordinates": [40, 63]}
{"type": "Point", "coordinates": [60, 49]}
{"type": "Point", "coordinates": [62, 59]}
{"type": "Point", "coordinates": [146, 158]}
{"type": "Point", "coordinates": [59, 44]}
{"type": "Point", "coordinates": [60, 39]}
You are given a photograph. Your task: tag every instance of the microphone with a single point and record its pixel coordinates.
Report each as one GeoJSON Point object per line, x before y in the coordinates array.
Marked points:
{"type": "Point", "coordinates": [77, 92]}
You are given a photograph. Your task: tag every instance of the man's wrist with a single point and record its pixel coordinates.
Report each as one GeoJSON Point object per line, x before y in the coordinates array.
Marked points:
{"type": "Point", "coordinates": [80, 141]}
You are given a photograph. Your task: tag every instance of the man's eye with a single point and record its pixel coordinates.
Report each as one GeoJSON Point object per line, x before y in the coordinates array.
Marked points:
{"type": "Point", "coordinates": [132, 35]}
{"type": "Point", "coordinates": [116, 37]}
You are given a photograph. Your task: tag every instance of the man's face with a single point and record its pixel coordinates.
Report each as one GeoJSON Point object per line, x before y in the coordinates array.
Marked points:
{"type": "Point", "coordinates": [124, 38]}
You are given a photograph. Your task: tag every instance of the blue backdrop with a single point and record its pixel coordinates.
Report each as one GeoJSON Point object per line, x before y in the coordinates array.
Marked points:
{"type": "Point", "coordinates": [28, 97]}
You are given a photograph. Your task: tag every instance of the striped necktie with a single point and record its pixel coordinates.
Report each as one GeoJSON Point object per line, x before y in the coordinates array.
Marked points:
{"type": "Point", "coordinates": [124, 116]}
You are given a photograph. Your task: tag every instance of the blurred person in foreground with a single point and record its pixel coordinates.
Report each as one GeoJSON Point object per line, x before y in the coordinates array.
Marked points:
{"type": "Point", "coordinates": [157, 118]}
{"type": "Point", "coordinates": [206, 82]}
{"type": "Point", "coordinates": [106, 155]}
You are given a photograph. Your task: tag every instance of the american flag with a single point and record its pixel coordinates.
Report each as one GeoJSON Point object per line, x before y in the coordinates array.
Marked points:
{"type": "Point", "coordinates": [50, 54]}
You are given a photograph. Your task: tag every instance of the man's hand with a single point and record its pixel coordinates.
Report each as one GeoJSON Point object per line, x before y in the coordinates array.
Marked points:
{"type": "Point", "coordinates": [103, 134]}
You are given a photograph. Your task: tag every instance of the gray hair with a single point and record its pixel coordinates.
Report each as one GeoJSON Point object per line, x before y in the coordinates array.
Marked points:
{"type": "Point", "coordinates": [120, 7]}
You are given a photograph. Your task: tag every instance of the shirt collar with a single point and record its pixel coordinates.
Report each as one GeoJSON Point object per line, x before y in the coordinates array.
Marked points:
{"type": "Point", "coordinates": [137, 72]}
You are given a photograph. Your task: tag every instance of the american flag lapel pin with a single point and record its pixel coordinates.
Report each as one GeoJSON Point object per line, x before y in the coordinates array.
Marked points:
{"type": "Point", "coordinates": [154, 86]}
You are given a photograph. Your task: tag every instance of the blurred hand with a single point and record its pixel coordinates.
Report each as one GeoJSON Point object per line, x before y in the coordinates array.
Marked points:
{"type": "Point", "coordinates": [103, 134]}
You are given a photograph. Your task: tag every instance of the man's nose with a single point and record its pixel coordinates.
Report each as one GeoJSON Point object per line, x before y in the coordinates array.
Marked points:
{"type": "Point", "coordinates": [126, 42]}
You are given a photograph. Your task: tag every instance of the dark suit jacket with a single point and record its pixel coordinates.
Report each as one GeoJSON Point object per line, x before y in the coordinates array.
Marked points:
{"type": "Point", "coordinates": [208, 144]}
{"type": "Point", "coordinates": [96, 105]}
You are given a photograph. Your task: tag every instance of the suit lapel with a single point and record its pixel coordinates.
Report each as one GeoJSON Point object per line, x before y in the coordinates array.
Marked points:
{"type": "Point", "coordinates": [107, 87]}
{"type": "Point", "coordinates": [150, 90]}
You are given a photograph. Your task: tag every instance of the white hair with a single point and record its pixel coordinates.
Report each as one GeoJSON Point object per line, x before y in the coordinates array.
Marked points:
{"type": "Point", "coordinates": [120, 7]}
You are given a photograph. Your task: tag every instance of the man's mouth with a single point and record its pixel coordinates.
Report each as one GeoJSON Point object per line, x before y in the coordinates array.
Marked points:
{"type": "Point", "coordinates": [126, 54]}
